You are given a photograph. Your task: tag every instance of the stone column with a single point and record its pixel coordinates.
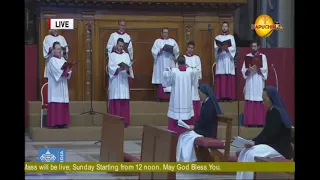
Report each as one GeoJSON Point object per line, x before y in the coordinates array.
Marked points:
{"type": "Point", "coordinates": [286, 18]}
{"type": "Point", "coordinates": [250, 18]}
{"type": "Point", "coordinates": [263, 10]}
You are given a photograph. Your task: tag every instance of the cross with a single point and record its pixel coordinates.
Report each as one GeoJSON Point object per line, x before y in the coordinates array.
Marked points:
{"type": "Point", "coordinates": [264, 20]}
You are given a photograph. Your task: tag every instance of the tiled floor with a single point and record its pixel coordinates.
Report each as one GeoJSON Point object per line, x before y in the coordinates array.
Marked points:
{"type": "Point", "coordinates": [80, 151]}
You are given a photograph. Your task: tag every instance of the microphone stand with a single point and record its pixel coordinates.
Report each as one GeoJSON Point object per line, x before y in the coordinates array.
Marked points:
{"type": "Point", "coordinates": [89, 57]}
{"type": "Point", "coordinates": [237, 93]}
{"type": "Point", "coordinates": [275, 74]}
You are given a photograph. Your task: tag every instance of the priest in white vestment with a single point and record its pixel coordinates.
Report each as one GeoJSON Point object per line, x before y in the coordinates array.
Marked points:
{"type": "Point", "coordinates": [193, 61]}
{"type": "Point", "coordinates": [163, 60]}
{"type": "Point", "coordinates": [120, 33]}
{"type": "Point", "coordinates": [254, 111]}
{"type": "Point", "coordinates": [119, 92]}
{"type": "Point", "coordinates": [58, 96]}
{"type": "Point", "coordinates": [225, 67]}
{"type": "Point", "coordinates": [275, 138]}
{"type": "Point", "coordinates": [181, 80]}
{"type": "Point", "coordinates": [206, 125]}
{"type": "Point", "coordinates": [47, 48]}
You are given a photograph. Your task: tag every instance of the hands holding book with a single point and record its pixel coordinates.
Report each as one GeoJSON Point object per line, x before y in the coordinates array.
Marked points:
{"type": "Point", "coordinates": [253, 68]}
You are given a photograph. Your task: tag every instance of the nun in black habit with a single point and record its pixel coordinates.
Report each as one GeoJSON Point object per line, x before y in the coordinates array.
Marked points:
{"type": "Point", "coordinates": [275, 138]}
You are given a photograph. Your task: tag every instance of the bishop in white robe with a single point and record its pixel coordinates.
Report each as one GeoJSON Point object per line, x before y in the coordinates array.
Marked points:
{"type": "Point", "coordinates": [58, 96]}
{"type": "Point", "coordinates": [254, 111]}
{"type": "Point", "coordinates": [163, 60]}
{"type": "Point", "coordinates": [193, 61]}
{"type": "Point", "coordinates": [206, 125]}
{"type": "Point", "coordinates": [119, 92]}
{"type": "Point", "coordinates": [181, 81]}
{"type": "Point", "coordinates": [225, 67]}
{"type": "Point", "coordinates": [275, 138]}
{"type": "Point", "coordinates": [121, 33]}
{"type": "Point", "coordinates": [47, 48]}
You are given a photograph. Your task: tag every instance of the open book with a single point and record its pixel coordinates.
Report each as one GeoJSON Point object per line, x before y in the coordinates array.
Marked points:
{"type": "Point", "coordinates": [239, 142]}
{"type": "Point", "coordinates": [183, 124]}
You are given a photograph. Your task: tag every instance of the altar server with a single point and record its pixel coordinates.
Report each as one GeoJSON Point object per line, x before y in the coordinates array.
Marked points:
{"type": "Point", "coordinates": [119, 92]}
{"type": "Point", "coordinates": [206, 125]}
{"type": "Point", "coordinates": [225, 67]}
{"type": "Point", "coordinates": [181, 80]}
{"type": "Point", "coordinates": [47, 48]}
{"type": "Point", "coordinates": [275, 138]}
{"type": "Point", "coordinates": [120, 33]}
{"type": "Point", "coordinates": [58, 95]}
{"type": "Point", "coordinates": [163, 60]}
{"type": "Point", "coordinates": [254, 111]}
{"type": "Point", "coordinates": [193, 61]}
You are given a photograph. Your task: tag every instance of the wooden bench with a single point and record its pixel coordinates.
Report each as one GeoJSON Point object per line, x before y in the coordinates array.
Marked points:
{"type": "Point", "coordinates": [207, 149]}
{"type": "Point", "coordinates": [273, 175]}
{"type": "Point", "coordinates": [112, 138]}
{"type": "Point", "coordinates": [158, 145]}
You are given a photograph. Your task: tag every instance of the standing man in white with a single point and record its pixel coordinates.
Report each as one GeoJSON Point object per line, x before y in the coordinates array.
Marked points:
{"type": "Point", "coordinates": [193, 61]}
{"type": "Point", "coordinates": [225, 68]}
{"type": "Point", "coordinates": [120, 70]}
{"type": "Point", "coordinates": [163, 60]}
{"type": "Point", "coordinates": [121, 33]}
{"type": "Point", "coordinates": [254, 111]}
{"type": "Point", "coordinates": [58, 95]}
{"type": "Point", "coordinates": [48, 41]}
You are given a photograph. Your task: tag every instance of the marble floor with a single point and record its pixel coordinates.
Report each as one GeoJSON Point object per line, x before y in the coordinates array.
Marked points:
{"type": "Point", "coordinates": [87, 151]}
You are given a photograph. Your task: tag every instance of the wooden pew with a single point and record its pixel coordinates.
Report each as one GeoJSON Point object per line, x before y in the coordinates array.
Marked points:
{"type": "Point", "coordinates": [207, 149]}
{"type": "Point", "coordinates": [273, 175]}
{"type": "Point", "coordinates": [158, 145]}
{"type": "Point", "coordinates": [112, 138]}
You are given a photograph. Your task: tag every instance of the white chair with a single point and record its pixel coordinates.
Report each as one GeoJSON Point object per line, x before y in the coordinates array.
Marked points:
{"type": "Point", "coordinates": [44, 101]}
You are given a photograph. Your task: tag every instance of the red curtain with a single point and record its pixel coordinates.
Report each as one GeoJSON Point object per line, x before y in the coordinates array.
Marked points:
{"type": "Point", "coordinates": [282, 60]}
{"type": "Point", "coordinates": [31, 71]}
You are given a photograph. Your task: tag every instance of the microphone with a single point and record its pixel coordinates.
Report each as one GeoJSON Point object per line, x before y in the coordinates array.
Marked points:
{"type": "Point", "coordinates": [275, 74]}
{"type": "Point", "coordinates": [209, 28]}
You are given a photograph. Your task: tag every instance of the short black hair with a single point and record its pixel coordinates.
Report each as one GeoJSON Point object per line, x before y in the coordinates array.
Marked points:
{"type": "Point", "coordinates": [224, 22]}
{"type": "Point", "coordinates": [181, 60]}
{"type": "Point", "coordinates": [255, 41]}
{"type": "Point", "coordinates": [164, 29]}
{"type": "Point", "coordinates": [55, 43]}
{"type": "Point", "coordinates": [120, 40]}
{"type": "Point", "coordinates": [191, 43]}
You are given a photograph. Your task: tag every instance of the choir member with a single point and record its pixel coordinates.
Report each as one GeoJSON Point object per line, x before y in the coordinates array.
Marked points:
{"type": "Point", "coordinates": [193, 61]}
{"type": "Point", "coordinates": [162, 60]}
{"type": "Point", "coordinates": [119, 92]}
{"type": "Point", "coordinates": [225, 67]}
{"type": "Point", "coordinates": [206, 125]}
{"type": "Point", "coordinates": [254, 111]}
{"type": "Point", "coordinates": [275, 138]}
{"type": "Point", "coordinates": [58, 96]}
{"type": "Point", "coordinates": [121, 33]}
{"type": "Point", "coordinates": [181, 81]}
{"type": "Point", "coordinates": [47, 48]}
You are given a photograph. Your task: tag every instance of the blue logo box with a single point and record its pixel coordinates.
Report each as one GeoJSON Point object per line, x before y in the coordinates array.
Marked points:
{"type": "Point", "coordinates": [52, 155]}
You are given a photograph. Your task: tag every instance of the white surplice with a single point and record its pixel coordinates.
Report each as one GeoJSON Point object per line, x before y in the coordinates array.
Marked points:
{"type": "Point", "coordinates": [185, 147]}
{"type": "Point", "coordinates": [194, 62]}
{"type": "Point", "coordinates": [181, 82]}
{"type": "Point", "coordinates": [113, 42]}
{"type": "Point", "coordinates": [119, 82]}
{"type": "Point", "coordinates": [255, 82]}
{"type": "Point", "coordinates": [225, 60]}
{"type": "Point", "coordinates": [163, 60]}
{"type": "Point", "coordinates": [248, 154]}
{"type": "Point", "coordinates": [57, 84]}
{"type": "Point", "coordinates": [48, 43]}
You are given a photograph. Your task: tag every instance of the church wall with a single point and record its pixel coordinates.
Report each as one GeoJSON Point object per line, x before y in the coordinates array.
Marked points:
{"type": "Point", "coordinates": [144, 30]}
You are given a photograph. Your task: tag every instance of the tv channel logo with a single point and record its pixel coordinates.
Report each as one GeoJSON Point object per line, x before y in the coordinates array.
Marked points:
{"type": "Point", "coordinates": [264, 25]}
{"type": "Point", "coordinates": [52, 155]}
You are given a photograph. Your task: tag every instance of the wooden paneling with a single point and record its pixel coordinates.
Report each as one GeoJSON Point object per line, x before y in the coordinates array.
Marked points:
{"type": "Point", "coordinates": [143, 35]}
{"type": "Point", "coordinates": [75, 39]}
